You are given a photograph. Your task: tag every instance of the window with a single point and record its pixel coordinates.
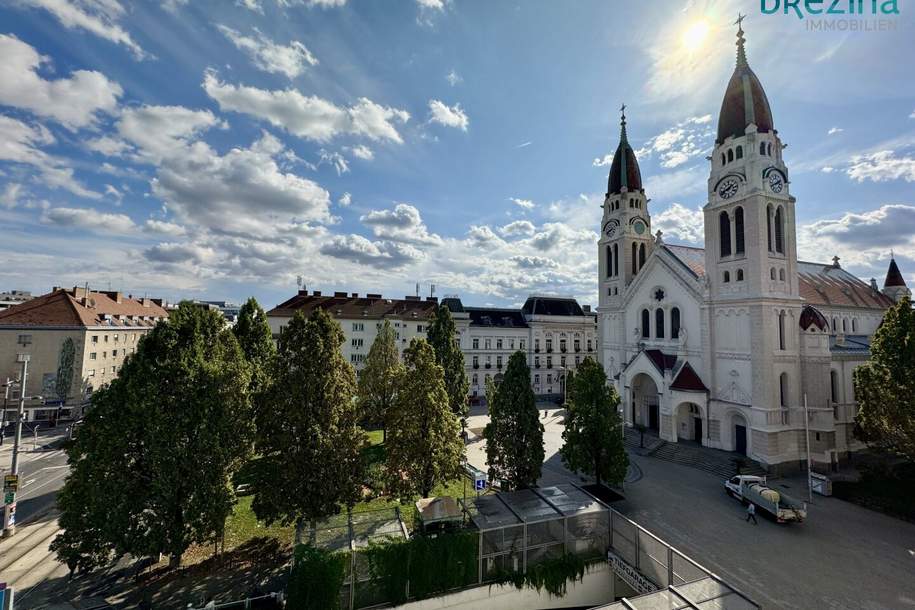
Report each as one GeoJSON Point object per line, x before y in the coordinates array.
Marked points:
{"type": "Point", "coordinates": [740, 152]}
{"type": "Point", "coordinates": [738, 230]}
{"type": "Point", "coordinates": [724, 233]}
{"type": "Point", "coordinates": [521, 344]}
{"type": "Point", "coordinates": [740, 275]}
{"type": "Point", "coordinates": [487, 343]}
{"type": "Point", "coordinates": [549, 362]}
{"type": "Point", "coordinates": [90, 373]}
{"type": "Point", "coordinates": [577, 345]}
{"type": "Point", "coordinates": [781, 330]}
{"type": "Point", "coordinates": [114, 369]}
{"type": "Point", "coordinates": [95, 338]}
{"type": "Point", "coordinates": [498, 343]}
{"type": "Point", "coordinates": [769, 227]}
{"type": "Point", "coordinates": [114, 353]}
{"type": "Point", "coordinates": [357, 343]}
{"type": "Point", "coordinates": [476, 379]}
{"type": "Point", "coordinates": [536, 345]}
{"type": "Point", "coordinates": [833, 325]}
{"type": "Point", "coordinates": [783, 390]}
{"type": "Point", "coordinates": [499, 362]}
{"type": "Point", "coordinates": [536, 379]}
{"type": "Point", "coordinates": [24, 340]}
{"type": "Point", "coordinates": [844, 325]}
{"type": "Point", "coordinates": [357, 358]}
{"type": "Point", "coordinates": [635, 254]}
{"type": "Point", "coordinates": [762, 148]}
{"type": "Point", "coordinates": [609, 261]}
{"type": "Point", "coordinates": [419, 328]}
{"type": "Point", "coordinates": [675, 323]}
{"type": "Point", "coordinates": [117, 338]}
{"type": "Point", "coordinates": [771, 273]}
{"type": "Point", "coordinates": [93, 355]}
{"type": "Point", "coordinates": [646, 317]}
{"type": "Point", "coordinates": [641, 255]}
{"type": "Point", "coordinates": [562, 345]}
{"type": "Point", "coordinates": [726, 277]}
{"type": "Point", "coordinates": [779, 231]}
{"type": "Point", "coordinates": [854, 325]}
{"type": "Point", "coordinates": [104, 354]}
{"type": "Point", "coordinates": [476, 362]}
{"type": "Point", "coordinates": [834, 386]}
{"type": "Point", "coordinates": [781, 275]}
{"type": "Point", "coordinates": [589, 345]}
{"type": "Point", "coordinates": [562, 361]}
{"type": "Point", "coordinates": [577, 360]}
{"type": "Point", "coordinates": [723, 161]}
{"type": "Point", "coordinates": [730, 155]}
{"type": "Point", "coordinates": [476, 343]}
{"type": "Point", "coordinates": [358, 327]}
{"type": "Point", "coordinates": [549, 379]}
{"type": "Point", "coordinates": [616, 260]}
{"type": "Point", "coordinates": [536, 362]}
{"type": "Point", "coordinates": [511, 344]}
{"type": "Point", "coordinates": [549, 346]}
{"type": "Point", "coordinates": [106, 338]}
{"type": "Point", "coordinates": [659, 323]}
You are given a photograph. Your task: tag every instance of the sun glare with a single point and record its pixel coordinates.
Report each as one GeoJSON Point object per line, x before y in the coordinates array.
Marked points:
{"type": "Point", "coordinates": [695, 35]}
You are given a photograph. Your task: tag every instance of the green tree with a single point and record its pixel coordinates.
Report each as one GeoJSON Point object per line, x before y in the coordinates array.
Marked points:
{"type": "Point", "coordinates": [152, 464]}
{"type": "Point", "coordinates": [378, 380]}
{"type": "Point", "coordinates": [592, 437]}
{"type": "Point", "coordinates": [442, 336]}
{"type": "Point", "coordinates": [514, 434]}
{"type": "Point", "coordinates": [885, 384]}
{"type": "Point", "coordinates": [64, 380]}
{"type": "Point", "coordinates": [307, 428]}
{"type": "Point", "coordinates": [256, 341]}
{"type": "Point", "coordinates": [424, 445]}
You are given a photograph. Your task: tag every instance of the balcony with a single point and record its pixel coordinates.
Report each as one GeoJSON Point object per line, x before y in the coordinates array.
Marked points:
{"type": "Point", "coordinates": [536, 350]}
{"type": "Point", "coordinates": [488, 366]}
{"type": "Point", "coordinates": [562, 349]}
{"type": "Point", "coordinates": [549, 350]}
{"type": "Point", "coordinates": [536, 365]}
{"type": "Point", "coordinates": [476, 366]}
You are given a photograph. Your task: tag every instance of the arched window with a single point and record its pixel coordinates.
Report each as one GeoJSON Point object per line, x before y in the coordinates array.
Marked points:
{"type": "Point", "coordinates": [659, 323]}
{"type": "Point", "coordinates": [781, 274]}
{"type": "Point", "coordinates": [854, 325]}
{"type": "Point", "coordinates": [834, 386]}
{"type": "Point", "coordinates": [779, 230]}
{"type": "Point", "coordinates": [724, 233]}
{"type": "Point", "coordinates": [833, 325]}
{"type": "Point", "coordinates": [609, 261]}
{"type": "Point", "coordinates": [781, 330]}
{"type": "Point", "coordinates": [726, 277]}
{"type": "Point", "coordinates": [730, 155]}
{"type": "Point", "coordinates": [739, 152]}
{"type": "Point", "coordinates": [646, 318]}
{"type": "Point", "coordinates": [740, 275]}
{"type": "Point", "coordinates": [769, 227]}
{"type": "Point", "coordinates": [675, 323]}
{"type": "Point", "coordinates": [641, 255]}
{"type": "Point", "coordinates": [635, 254]}
{"type": "Point", "coordinates": [769, 149]}
{"type": "Point", "coordinates": [771, 273]}
{"type": "Point", "coordinates": [762, 148]}
{"type": "Point", "coordinates": [783, 390]}
{"type": "Point", "coordinates": [616, 260]}
{"type": "Point", "coordinates": [844, 325]}
{"type": "Point", "coordinates": [738, 229]}
{"type": "Point", "coordinates": [722, 159]}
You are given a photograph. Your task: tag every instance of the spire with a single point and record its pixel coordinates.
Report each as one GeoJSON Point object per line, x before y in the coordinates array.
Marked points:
{"type": "Point", "coordinates": [741, 51]}
{"type": "Point", "coordinates": [624, 171]}
{"type": "Point", "coordinates": [623, 125]}
{"type": "Point", "coordinates": [893, 275]}
{"type": "Point", "coordinates": [624, 144]}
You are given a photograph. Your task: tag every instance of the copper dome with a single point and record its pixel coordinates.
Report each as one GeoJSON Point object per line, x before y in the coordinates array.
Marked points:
{"type": "Point", "coordinates": [744, 102]}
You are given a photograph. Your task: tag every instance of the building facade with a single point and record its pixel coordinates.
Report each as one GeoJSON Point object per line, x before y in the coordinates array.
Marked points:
{"type": "Point", "coordinates": [13, 297]}
{"type": "Point", "coordinates": [724, 346]}
{"type": "Point", "coordinates": [104, 327]}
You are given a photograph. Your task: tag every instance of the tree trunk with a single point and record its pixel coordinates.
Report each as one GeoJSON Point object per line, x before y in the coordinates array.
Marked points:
{"type": "Point", "coordinates": [174, 561]}
{"type": "Point", "coordinates": [313, 534]}
{"type": "Point", "coordinates": [298, 532]}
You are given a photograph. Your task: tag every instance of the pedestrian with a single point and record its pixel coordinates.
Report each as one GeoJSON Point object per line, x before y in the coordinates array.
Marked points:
{"type": "Point", "coordinates": [72, 564]}
{"type": "Point", "coordinates": [751, 513]}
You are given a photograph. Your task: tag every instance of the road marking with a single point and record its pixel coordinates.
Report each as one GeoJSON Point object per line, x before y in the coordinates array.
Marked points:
{"type": "Point", "coordinates": [27, 483]}
{"type": "Point", "coordinates": [48, 482]}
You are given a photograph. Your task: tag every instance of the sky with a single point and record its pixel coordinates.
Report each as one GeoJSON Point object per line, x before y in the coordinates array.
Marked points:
{"type": "Point", "coordinates": [220, 150]}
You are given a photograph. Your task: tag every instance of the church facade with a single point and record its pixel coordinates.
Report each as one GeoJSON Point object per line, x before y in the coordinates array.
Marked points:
{"type": "Point", "coordinates": [738, 345]}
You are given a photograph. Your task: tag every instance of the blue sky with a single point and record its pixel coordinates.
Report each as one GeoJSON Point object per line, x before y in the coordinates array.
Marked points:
{"type": "Point", "coordinates": [219, 150]}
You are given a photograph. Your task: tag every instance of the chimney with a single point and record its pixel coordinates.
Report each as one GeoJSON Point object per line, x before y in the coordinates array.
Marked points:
{"type": "Point", "coordinates": [432, 299]}
{"type": "Point", "coordinates": [303, 293]}
{"type": "Point", "coordinates": [316, 293]}
{"type": "Point", "coordinates": [874, 285]}
{"type": "Point", "coordinates": [340, 295]}
{"type": "Point", "coordinates": [372, 296]}
{"type": "Point", "coordinates": [158, 302]}
{"type": "Point", "coordinates": [355, 295]}
{"type": "Point", "coordinates": [412, 297]}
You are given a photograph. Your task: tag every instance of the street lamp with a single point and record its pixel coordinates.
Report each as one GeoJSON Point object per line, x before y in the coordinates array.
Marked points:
{"type": "Point", "coordinates": [9, 508]}
{"type": "Point", "coordinates": [565, 384]}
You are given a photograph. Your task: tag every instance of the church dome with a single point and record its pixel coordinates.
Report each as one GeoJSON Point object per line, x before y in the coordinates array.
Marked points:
{"type": "Point", "coordinates": [744, 102]}
{"type": "Point", "coordinates": [624, 171]}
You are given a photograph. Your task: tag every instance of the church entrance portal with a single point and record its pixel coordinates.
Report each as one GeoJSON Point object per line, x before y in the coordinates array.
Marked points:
{"type": "Point", "coordinates": [645, 403]}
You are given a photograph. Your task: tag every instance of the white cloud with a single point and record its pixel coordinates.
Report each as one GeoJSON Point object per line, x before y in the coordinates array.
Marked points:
{"type": "Point", "coordinates": [290, 60]}
{"type": "Point", "coordinates": [89, 219]}
{"type": "Point", "coordinates": [882, 166]}
{"type": "Point", "coordinates": [402, 224]}
{"type": "Point", "coordinates": [363, 152]}
{"type": "Point", "coordinates": [381, 254]}
{"type": "Point", "coordinates": [345, 200]}
{"type": "Point", "coordinates": [438, 5]}
{"type": "Point", "coordinates": [171, 252]}
{"type": "Point", "coordinates": [325, 3]}
{"type": "Point", "coordinates": [335, 160]}
{"type": "Point", "coordinates": [74, 101]}
{"type": "Point", "coordinates": [483, 236]}
{"type": "Point", "coordinates": [834, 130]}
{"type": "Point", "coordinates": [450, 116]}
{"type": "Point", "coordinates": [308, 117]}
{"type": "Point", "coordinates": [827, 169]}
{"type": "Point", "coordinates": [678, 144]}
{"type": "Point", "coordinates": [682, 223]}
{"type": "Point", "coordinates": [604, 161]}
{"type": "Point", "coordinates": [251, 5]}
{"type": "Point", "coordinates": [114, 192]}
{"type": "Point", "coordinates": [10, 196]}
{"type": "Point", "coordinates": [160, 131]}
{"type": "Point", "coordinates": [20, 143]}
{"type": "Point", "coordinates": [534, 262]}
{"type": "Point", "coordinates": [162, 227]}
{"type": "Point", "coordinates": [527, 204]}
{"type": "Point", "coordinates": [518, 228]}
{"type": "Point", "coordinates": [98, 17]}
{"type": "Point", "coordinates": [677, 184]}
{"type": "Point", "coordinates": [524, 144]}
{"type": "Point", "coordinates": [108, 146]}
{"type": "Point", "coordinates": [454, 78]}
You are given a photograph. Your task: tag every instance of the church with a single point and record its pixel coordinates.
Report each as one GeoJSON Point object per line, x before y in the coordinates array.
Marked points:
{"type": "Point", "coordinates": [738, 346]}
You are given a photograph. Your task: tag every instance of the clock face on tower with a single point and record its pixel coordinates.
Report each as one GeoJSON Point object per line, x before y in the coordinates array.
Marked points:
{"type": "Point", "coordinates": [776, 183]}
{"type": "Point", "coordinates": [639, 226]}
{"type": "Point", "coordinates": [611, 227]}
{"type": "Point", "coordinates": [728, 189]}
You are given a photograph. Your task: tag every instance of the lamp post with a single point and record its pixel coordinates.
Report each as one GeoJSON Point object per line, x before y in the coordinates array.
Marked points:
{"type": "Point", "coordinates": [807, 435]}
{"type": "Point", "coordinates": [9, 508]}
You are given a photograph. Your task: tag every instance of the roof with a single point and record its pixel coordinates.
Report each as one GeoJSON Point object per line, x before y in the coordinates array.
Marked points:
{"type": "Point", "coordinates": [371, 306]}
{"type": "Point", "coordinates": [551, 306]}
{"type": "Point", "coordinates": [688, 380]}
{"type": "Point", "coordinates": [77, 308]}
{"type": "Point", "coordinates": [624, 171]}
{"type": "Point", "coordinates": [852, 344]}
{"type": "Point", "coordinates": [820, 284]}
{"type": "Point", "coordinates": [453, 304]}
{"type": "Point", "coordinates": [661, 360]}
{"type": "Point", "coordinates": [744, 102]}
{"type": "Point", "coordinates": [811, 316]}
{"type": "Point", "coordinates": [893, 276]}
{"type": "Point", "coordinates": [492, 316]}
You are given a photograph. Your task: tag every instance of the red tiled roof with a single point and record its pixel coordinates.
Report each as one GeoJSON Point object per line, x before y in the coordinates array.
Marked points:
{"type": "Point", "coordinates": [70, 308]}
{"type": "Point", "coordinates": [688, 380]}
{"type": "Point", "coordinates": [660, 359]}
{"type": "Point", "coordinates": [372, 306]}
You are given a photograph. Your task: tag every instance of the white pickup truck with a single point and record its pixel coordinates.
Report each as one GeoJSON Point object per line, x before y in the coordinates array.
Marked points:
{"type": "Point", "coordinates": [752, 489]}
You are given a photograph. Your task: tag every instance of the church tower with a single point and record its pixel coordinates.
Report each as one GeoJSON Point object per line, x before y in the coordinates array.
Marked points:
{"type": "Point", "coordinates": [625, 239]}
{"type": "Point", "coordinates": [750, 241]}
{"type": "Point", "coordinates": [894, 284]}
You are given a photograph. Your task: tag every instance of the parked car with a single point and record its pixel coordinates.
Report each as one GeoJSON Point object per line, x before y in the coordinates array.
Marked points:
{"type": "Point", "coordinates": [753, 490]}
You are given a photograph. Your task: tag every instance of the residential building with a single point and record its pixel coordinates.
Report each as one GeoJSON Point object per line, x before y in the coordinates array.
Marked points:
{"type": "Point", "coordinates": [13, 297]}
{"type": "Point", "coordinates": [228, 309]}
{"type": "Point", "coordinates": [105, 328]}
{"type": "Point", "coordinates": [360, 318]}
{"type": "Point", "coordinates": [732, 345]}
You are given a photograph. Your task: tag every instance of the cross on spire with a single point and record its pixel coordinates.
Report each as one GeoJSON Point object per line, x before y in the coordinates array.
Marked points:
{"type": "Point", "coordinates": [623, 123]}
{"type": "Point", "coordinates": [741, 52]}
{"type": "Point", "coordinates": [739, 22]}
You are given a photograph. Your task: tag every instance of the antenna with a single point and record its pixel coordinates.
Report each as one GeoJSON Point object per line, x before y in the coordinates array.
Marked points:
{"type": "Point", "coordinates": [417, 288]}
{"type": "Point", "coordinates": [432, 290]}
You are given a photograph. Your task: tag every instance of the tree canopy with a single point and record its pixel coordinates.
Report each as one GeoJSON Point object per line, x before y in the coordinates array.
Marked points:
{"type": "Point", "coordinates": [885, 384]}
{"type": "Point", "coordinates": [256, 341]}
{"type": "Point", "coordinates": [378, 380]}
{"type": "Point", "coordinates": [514, 434]}
{"type": "Point", "coordinates": [64, 379]}
{"type": "Point", "coordinates": [307, 427]}
{"type": "Point", "coordinates": [152, 464]}
{"type": "Point", "coordinates": [592, 437]}
{"type": "Point", "coordinates": [424, 445]}
{"type": "Point", "coordinates": [442, 335]}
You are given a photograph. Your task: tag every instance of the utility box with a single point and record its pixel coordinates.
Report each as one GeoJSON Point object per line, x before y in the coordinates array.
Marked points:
{"type": "Point", "coordinates": [821, 484]}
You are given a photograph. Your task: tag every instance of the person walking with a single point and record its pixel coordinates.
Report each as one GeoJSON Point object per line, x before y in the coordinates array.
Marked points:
{"type": "Point", "coordinates": [751, 513]}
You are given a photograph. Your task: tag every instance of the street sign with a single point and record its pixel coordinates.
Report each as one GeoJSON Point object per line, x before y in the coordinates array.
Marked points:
{"type": "Point", "coordinates": [9, 497]}
{"type": "Point", "coordinates": [479, 484]}
{"type": "Point", "coordinates": [11, 482]}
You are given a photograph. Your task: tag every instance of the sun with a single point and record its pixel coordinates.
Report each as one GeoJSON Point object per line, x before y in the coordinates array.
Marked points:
{"type": "Point", "coordinates": [695, 35]}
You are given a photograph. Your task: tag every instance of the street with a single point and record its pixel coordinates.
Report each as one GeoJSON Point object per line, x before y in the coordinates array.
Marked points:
{"type": "Point", "coordinates": [843, 557]}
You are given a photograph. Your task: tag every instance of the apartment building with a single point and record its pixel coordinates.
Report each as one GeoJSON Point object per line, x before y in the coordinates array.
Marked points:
{"type": "Point", "coordinates": [105, 328]}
